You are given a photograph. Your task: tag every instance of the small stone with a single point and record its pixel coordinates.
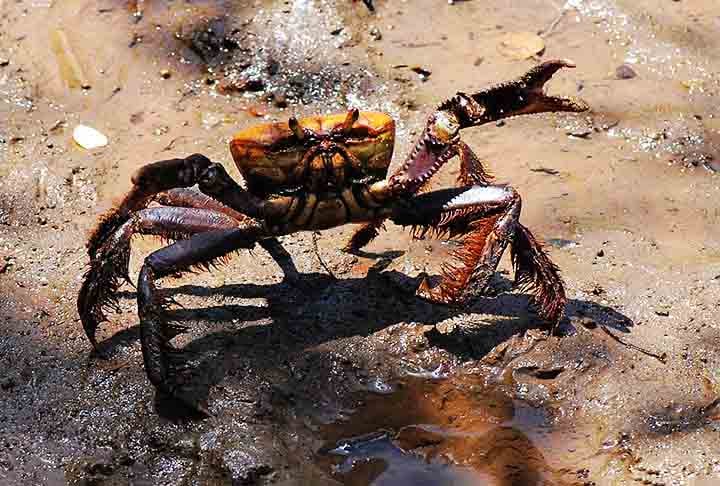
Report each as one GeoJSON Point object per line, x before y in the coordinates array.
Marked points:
{"type": "Point", "coordinates": [279, 99]}
{"type": "Point", "coordinates": [624, 71]}
{"type": "Point", "coordinates": [7, 383]}
{"type": "Point", "coordinates": [600, 253]}
{"type": "Point", "coordinates": [100, 467]}
{"type": "Point", "coordinates": [662, 311]}
{"type": "Point", "coordinates": [422, 72]}
{"type": "Point", "coordinates": [89, 138]}
{"type": "Point", "coordinates": [124, 459]}
{"type": "Point", "coordinates": [375, 33]}
{"type": "Point", "coordinates": [4, 62]}
{"type": "Point", "coordinates": [165, 73]}
{"type": "Point", "coordinates": [44, 282]}
{"type": "Point", "coordinates": [579, 132]}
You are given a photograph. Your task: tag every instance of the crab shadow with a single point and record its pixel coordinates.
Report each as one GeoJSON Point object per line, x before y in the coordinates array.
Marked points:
{"type": "Point", "coordinates": [301, 313]}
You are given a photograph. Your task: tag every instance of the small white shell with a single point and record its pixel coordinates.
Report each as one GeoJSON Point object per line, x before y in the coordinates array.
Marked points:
{"type": "Point", "coordinates": [89, 138]}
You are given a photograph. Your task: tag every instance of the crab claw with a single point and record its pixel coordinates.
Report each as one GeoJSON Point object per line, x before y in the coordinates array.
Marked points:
{"type": "Point", "coordinates": [538, 101]}
{"type": "Point", "coordinates": [522, 96]}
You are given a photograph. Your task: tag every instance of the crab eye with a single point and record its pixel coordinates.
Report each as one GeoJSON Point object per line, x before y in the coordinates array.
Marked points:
{"type": "Point", "coordinates": [296, 128]}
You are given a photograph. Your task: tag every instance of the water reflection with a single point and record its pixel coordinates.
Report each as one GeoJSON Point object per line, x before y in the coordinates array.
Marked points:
{"type": "Point", "coordinates": [457, 431]}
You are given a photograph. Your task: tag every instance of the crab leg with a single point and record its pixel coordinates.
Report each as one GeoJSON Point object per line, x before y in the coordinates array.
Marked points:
{"type": "Point", "coordinates": [201, 250]}
{"type": "Point", "coordinates": [488, 218]}
{"type": "Point", "coordinates": [189, 198]}
{"type": "Point", "coordinates": [164, 175]}
{"type": "Point", "coordinates": [472, 170]}
{"type": "Point", "coordinates": [110, 267]}
{"type": "Point", "coordinates": [147, 181]}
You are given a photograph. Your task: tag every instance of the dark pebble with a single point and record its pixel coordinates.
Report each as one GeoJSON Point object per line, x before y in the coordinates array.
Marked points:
{"type": "Point", "coordinates": [7, 383]}
{"type": "Point", "coordinates": [100, 467]}
{"type": "Point", "coordinates": [279, 99]}
{"type": "Point", "coordinates": [623, 71]}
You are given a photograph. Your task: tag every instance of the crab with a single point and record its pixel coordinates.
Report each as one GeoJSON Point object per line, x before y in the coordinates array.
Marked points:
{"type": "Point", "coordinates": [321, 172]}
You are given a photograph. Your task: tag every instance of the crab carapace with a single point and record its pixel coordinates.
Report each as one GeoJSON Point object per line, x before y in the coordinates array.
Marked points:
{"type": "Point", "coordinates": [316, 173]}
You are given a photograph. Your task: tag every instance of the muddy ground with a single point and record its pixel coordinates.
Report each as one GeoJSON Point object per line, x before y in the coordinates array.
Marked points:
{"type": "Point", "coordinates": [339, 375]}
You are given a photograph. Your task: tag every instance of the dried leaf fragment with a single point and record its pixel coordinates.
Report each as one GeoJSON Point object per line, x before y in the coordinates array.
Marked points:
{"type": "Point", "coordinates": [521, 45]}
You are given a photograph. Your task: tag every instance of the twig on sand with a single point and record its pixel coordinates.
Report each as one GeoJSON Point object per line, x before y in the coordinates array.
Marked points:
{"type": "Point", "coordinates": [660, 357]}
{"type": "Point", "coordinates": [550, 28]}
{"type": "Point", "coordinates": [317, 255]}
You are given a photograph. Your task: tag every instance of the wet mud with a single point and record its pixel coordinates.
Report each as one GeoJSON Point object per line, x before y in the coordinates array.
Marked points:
{"type": "Point", "coordinates": [331, 371]}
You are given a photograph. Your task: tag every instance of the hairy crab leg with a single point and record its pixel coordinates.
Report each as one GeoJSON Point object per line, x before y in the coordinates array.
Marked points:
{"type": "Point", "coordinates": [364, 235]}
{"type": "Point", "coordinates": [472, 170]}
{"type": "Point", "coordinates": [110, 267]}
{"type": "Point", "coordinates": [189, 198]}
{"type": "Point", "coordinates": [488, 219]}
{"type": "Point", "coordinates": [183, 197]}
{"type": "Point", "coordinates": [164, 175]}
{"type": "Point", "coordinates": [147, 181]}
{"type": "Point", "coordinates": [199, 251]}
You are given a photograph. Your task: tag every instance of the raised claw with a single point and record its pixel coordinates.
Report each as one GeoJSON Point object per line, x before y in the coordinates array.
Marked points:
{"type": "Point", "coordinates": [537, 76]}
{"type": "Point", "coordinates": [535, 80]}
{"type": "Point", "coordinates": [522, 96]}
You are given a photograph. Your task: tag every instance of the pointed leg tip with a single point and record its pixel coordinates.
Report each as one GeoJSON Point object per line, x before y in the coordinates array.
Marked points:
{"type": "Point", "coordinates": [97, 351]}
{"type": "Point", "coordinates": [564, 63]}
{"type": "Point", "coordinates": [203, 411]}
{"type": "Point", "coordinates": [430, 294]}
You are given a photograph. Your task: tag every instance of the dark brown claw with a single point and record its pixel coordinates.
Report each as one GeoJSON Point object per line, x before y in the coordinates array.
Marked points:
{"type": "Point", "coordinates": [523, 96]}
{"type": "Point", "coordinates": [538, 101]}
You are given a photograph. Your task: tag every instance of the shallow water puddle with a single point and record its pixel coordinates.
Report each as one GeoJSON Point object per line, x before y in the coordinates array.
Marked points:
{"type": "Point", "coordinates": [456, 430]}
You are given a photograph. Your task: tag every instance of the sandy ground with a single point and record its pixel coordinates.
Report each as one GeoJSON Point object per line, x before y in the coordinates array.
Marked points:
{"type": "Point", "coordinates": [348, 379]}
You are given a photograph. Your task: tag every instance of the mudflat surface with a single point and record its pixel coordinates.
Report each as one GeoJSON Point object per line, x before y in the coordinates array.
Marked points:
{"type": "Point", "coordinates": [348, 378]}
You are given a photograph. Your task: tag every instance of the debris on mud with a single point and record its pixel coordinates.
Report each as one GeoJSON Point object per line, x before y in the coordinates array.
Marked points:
{"type": "Point", "coordinates": [521, 45]}
{"type": "Point", "coordinates": [625, 71]}
{"type": "Point", "coordinates": [89, 138]}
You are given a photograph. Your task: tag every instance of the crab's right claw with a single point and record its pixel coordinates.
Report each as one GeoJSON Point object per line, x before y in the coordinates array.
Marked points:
{"type": "Point", "coordinates": [534, 81]}
{"type": "Point", "coordinates": [522, 96]}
